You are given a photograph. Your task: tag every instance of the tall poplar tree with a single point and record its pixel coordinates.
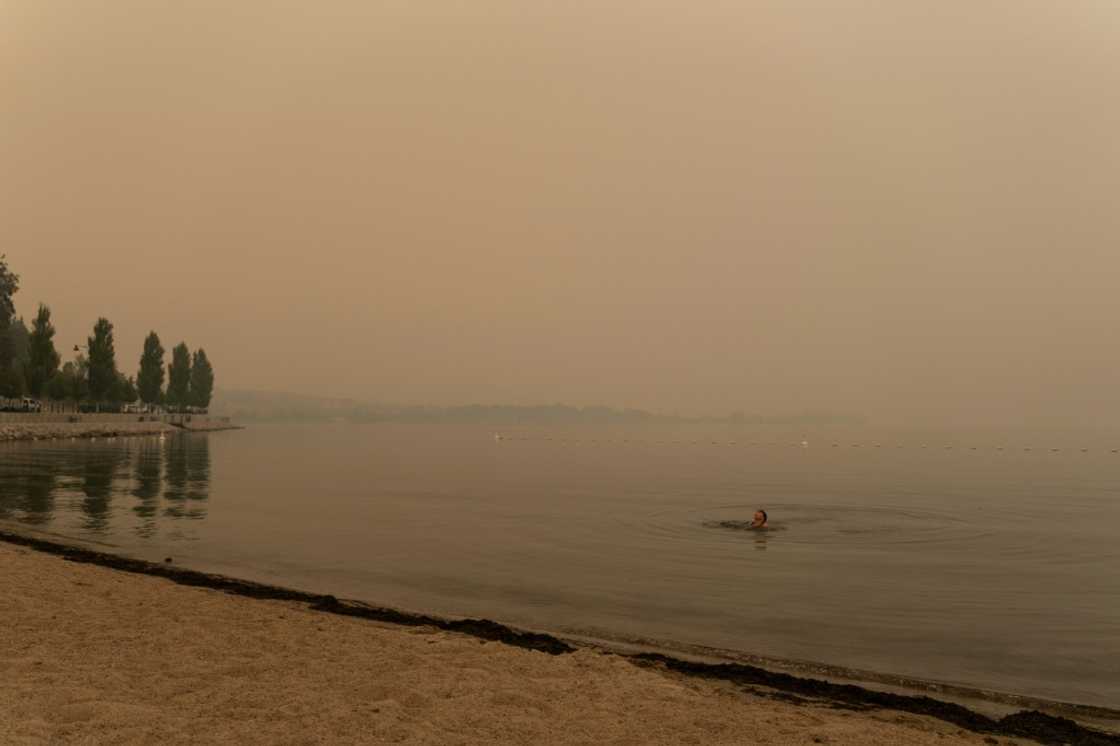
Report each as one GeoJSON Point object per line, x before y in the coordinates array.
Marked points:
{"type": "Point", "coordinates": [9, 286]}
{"type": "Point", "coordinates": [43, 359]}
{"type": "Point", "coordinates": [10, 383]}
{"type": "Point", "coordinates": [202, 380]}
{"type": "Point", "coordinates": [179, 376]}
{"type": "Point", "coordinates": [102, 361]}
{"type": "Point", "coordinates": [149, 380]}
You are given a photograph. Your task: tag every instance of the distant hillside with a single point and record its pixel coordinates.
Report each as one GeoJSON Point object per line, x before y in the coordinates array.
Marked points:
{"type": "Point", "coordinates": [282, 406]}
{"type": "Point", "coordinates": [275, 406]}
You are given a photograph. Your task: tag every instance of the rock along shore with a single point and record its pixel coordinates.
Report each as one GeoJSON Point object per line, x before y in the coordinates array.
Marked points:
{"type": "Point", "coordinates": [63, 430]}
{"type": "Point", "coordinates": [17, 431]}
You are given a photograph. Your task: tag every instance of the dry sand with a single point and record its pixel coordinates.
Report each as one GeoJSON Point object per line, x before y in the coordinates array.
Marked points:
{"type": "Point", "coordinates": [93, 655]}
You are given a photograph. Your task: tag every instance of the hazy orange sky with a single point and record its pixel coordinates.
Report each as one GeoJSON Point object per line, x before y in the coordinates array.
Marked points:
{"type": "Point", "coordinates": [902, 209]}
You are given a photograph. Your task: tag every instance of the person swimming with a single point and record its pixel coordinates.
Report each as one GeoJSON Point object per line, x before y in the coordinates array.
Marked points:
{"type": "Point", "coordinates": [759, 520]}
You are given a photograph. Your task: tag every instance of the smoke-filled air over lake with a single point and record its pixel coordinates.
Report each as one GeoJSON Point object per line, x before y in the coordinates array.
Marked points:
{"type": "Point", "coordinates": [513, 371]}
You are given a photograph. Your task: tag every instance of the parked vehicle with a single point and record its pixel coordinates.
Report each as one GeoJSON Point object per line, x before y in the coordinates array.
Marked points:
{"type": "Point", "coordinates": [22, 404]}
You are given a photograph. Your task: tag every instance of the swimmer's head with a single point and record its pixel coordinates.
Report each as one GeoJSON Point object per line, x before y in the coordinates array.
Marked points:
{"type": "Point", "coordinates": [760, 517]}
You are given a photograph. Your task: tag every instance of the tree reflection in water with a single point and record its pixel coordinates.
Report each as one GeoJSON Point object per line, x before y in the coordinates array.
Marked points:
{"type": "Point", "coordinates": [96, 483]}
{"type": "Point", "coordinates": [146, 479]}
{"type": "Point", "coordinates": [101, 467]}
{"type": "Point", "coordinates": [27, 495]}
{"type": "Point", "coordinates": [187, 483]}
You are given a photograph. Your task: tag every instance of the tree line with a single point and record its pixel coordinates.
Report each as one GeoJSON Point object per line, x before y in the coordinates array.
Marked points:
{"type": "Point", "coordinates": [30, 365]}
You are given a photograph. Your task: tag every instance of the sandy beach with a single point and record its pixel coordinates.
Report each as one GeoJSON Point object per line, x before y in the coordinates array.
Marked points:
{"type": "Point", "coordinates": [95, 655]}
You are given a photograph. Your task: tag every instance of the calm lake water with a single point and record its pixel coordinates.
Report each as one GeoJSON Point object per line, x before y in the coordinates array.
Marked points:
{"type": "Point", "coordinates": [969, 560]}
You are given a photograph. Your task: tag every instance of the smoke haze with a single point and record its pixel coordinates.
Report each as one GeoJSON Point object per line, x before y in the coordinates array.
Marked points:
{"type": "Point", "coordinates": [905, 210]}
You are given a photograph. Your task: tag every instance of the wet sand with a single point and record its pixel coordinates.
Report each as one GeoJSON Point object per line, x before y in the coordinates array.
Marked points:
{"type": "Point", "coordinates": [91, 654]}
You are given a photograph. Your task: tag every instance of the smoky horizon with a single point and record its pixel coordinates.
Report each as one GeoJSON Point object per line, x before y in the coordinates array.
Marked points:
{"type": "Point", "coordinates": [904, 211]}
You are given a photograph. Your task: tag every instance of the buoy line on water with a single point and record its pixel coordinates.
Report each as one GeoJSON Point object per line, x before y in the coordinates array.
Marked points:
{"type": "Point", "coordinates": [804, 444]}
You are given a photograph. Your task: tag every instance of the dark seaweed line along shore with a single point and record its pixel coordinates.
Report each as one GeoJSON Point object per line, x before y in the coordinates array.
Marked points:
{"type": "Point", "coordinates": [1047, 729]}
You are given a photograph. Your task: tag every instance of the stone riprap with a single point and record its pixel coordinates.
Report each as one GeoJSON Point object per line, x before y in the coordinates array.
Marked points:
{"type": "Point", "coordinates": [62, 430]}
{"type": "Point", "coordinates": [55, 426]}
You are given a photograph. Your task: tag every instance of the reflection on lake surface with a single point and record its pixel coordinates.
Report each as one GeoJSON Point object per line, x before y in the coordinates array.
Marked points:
{"type": "Point", "coordinates": [93, 485]}
{"type": "Point", "coordinates": [987, 559]}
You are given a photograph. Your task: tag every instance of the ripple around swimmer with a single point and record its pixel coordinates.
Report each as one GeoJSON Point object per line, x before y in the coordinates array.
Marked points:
{"type": "Point", "coordinates": [816, 524]}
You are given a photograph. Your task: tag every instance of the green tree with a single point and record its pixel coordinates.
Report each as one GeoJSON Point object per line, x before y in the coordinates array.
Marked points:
{"type": "Point", "coordinates": [10, 383]}
{"type": "Point", "coordinates": [43, 358]}
{"type": "Point", "coordinates": [70, 382]}
{"type": "Point", "coordinates": [131, 393]}
{"type": "Point", "coordinates": [179, 376]}
{"type": "Point", "coordinates": [149, 380]}
{"type": "Point", "coordinates": [13, 378]}
{"type": "Point", "coordinates": [202, 380]}
{"type": "Point", "coordinates": [9, 285]}
{"type": "Point", "coordinates": [21, 344]}
{"type": "Point", "coordinates": [58, 387]}
{"type": "Point", "coordinates": [102, 361]}
{"type": "Point", "coordinates": [124, 390]}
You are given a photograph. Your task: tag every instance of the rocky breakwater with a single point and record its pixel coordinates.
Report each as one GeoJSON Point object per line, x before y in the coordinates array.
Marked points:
{"type": "Point", "coordinates": [60, 430]}
{"type": "Point", "coordinates": [205, 425]}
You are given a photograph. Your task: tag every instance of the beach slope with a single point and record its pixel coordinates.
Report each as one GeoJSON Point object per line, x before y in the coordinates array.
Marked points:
{"type": "Point", "coordinates": [95, 655]}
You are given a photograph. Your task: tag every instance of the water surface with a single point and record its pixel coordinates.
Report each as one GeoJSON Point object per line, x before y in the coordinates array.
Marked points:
{"type": "Point", "coordinates": [988, 559]}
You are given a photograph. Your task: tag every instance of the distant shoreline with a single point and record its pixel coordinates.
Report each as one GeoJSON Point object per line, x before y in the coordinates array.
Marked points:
{"type": "Point", "coordinates": [285, 407]}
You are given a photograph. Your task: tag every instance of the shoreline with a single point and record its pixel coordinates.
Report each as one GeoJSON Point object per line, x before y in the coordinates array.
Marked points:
{"type": "Point", "coordinates": [17, 432]}
{"type": "Point", "coordinates": [20, 432]}
{"type": "Point", "coordinates": [993, 703]}
{"type": "Point", "coordinates": [771, 685]}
